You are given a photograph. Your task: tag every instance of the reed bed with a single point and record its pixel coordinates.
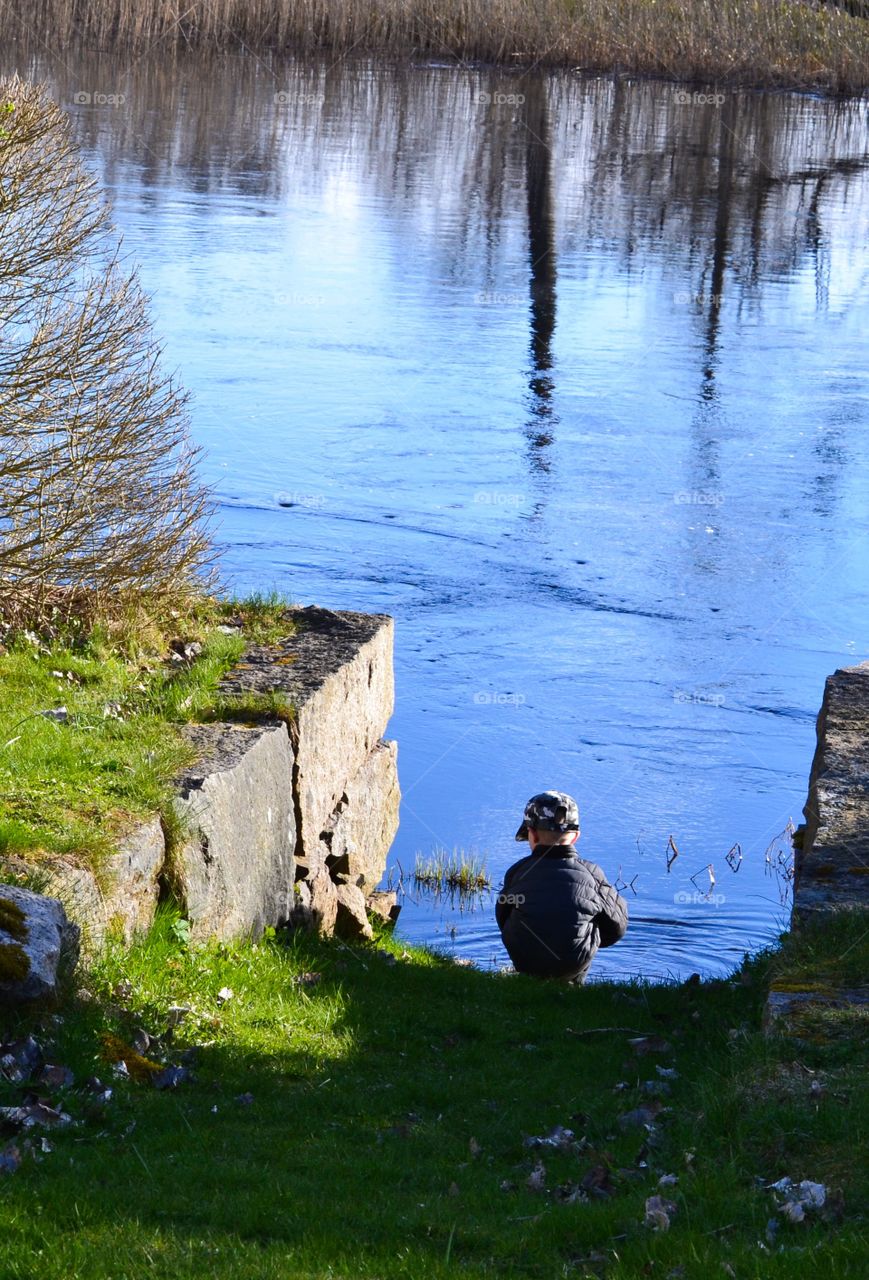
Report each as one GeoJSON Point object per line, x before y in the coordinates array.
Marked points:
{"type": "Point", "coordinates": [775, 43]}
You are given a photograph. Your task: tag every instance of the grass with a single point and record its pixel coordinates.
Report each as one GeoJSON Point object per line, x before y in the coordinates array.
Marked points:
{"type": "Point", "coordinates": [365, 1125]}
{"type": "Point", "coordinates": [72, 786]}
{"type": "Point", "coordinates": [760, 42]}
{"type": "Point", "coordinates": [831, 956]}
{"type": "Point", "coordinates": [458, 871]}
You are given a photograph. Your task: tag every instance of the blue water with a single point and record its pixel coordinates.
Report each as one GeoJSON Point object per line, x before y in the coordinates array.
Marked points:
{"type": "Point", "coordinates": [575, 390]}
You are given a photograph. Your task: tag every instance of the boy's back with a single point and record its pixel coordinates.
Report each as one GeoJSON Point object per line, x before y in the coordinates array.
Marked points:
{"type": "Point", "coordinates": [555, 908]}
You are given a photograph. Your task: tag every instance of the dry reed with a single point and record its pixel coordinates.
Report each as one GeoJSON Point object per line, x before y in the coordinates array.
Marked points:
{"type": "Point", "coordinates": [798, 43]}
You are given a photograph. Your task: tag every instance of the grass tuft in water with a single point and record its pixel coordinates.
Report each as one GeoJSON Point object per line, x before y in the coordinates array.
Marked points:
{"type": "Point", "coordinates": [459, 871]}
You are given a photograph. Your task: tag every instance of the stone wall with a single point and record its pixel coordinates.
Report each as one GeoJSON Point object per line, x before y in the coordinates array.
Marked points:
{"type": "Point", "coordinates": [312, 798]}
{"type": "Point", "coordinates": [832, 849]}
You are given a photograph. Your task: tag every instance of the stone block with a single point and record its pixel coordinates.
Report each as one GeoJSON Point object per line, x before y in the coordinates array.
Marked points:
{"type": "Point", "coordinates": [336, 673]}
{"type": "Point", "coordinates": [130, 879]}
{"type": "Point", "coordinates": [39, 946]}
{"type": "Point", "coordinates": [832, 866]}
{"type": "Point", "coordinates": [352, 920]}
{"type": "Point", "coordinates": [234, 870]}
{"type": "Point", "coordinates": [363, 824]}
{"type": "Point", "coordinates": [384, 904]}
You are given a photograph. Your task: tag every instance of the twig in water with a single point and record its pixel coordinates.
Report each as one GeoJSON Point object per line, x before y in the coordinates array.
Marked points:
{"type": "Point", "coordinates": [672, 852]}
{"type": "Point", "coordinates": [711, 870]}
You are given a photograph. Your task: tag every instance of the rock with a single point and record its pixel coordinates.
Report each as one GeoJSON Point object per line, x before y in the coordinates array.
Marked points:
{"type": "Point", "coordinates": [831, 864]}
{"type": "Point", "coordinates": [384, 904]}
{"type": "Point", "coordinates": [77, 889]}
{"type": "Point", "coordinates": [39, 946]}
{"type": "Point", "coordinates": [324, 902]}
{"type": "Point", "coordinates": [363, 824]}
{"type": "Point", "coordinates": [336, 672]}
{"type": "Point", "coordinates": [234, 872]}
{"type": "Point", "coordinates": [130, 879]}
{"type": "Point", "coordinates": [301, 916]}
{"type": "Point", "coordinates": [352, 920]}
{"type": "Point", "coordinates": [311, 860]}
{"type": "Point", "coordinates": [121, 894]}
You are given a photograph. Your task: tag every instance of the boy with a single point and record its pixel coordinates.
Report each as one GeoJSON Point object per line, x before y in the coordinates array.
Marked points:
{"type": "Point", "coordinates": [556, 909]}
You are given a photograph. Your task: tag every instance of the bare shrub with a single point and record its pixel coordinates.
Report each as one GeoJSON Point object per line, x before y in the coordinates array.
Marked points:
{"type": "Point", "coordinates": [100, 502]}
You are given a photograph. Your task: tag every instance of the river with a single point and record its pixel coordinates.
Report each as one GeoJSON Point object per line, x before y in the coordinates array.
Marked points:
{"type": "Point", "coordinates": [567, 373]}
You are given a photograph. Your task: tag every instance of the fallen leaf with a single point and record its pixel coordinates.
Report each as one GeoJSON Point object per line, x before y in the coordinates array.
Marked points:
{"type": "Point", "coordinates": [658, 1213]}
{"type": "Point", "coordinates": [597, 1181]}
{"type": "Point", "coordinates": [56, 1077]}
{"type": "Point", "coordinates": [559, 1139]}
{"type": "Point", "coordinates": [639, 1116]}
{"type": "Point", "coordinates": [34, 1113]}
{"type": "Point", "coordinates": [170, 1077]}
{"type": "Point", "coordinates": [537, 1177]}
{"type": "Point", "coordinates": [10, 1158]}
{"type": "Point", "coordinates": [474, 1147]}
{"type": "Point", "coordinates": [570, 1193]}
{"type": "Point", "coordinates": [20, 1059]}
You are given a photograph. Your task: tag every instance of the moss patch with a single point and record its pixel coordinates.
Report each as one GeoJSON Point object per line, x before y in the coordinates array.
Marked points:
{"type": "Point", "coordinates": [13, 920]}
{"type": "Point", "coordinates": [14, 962]}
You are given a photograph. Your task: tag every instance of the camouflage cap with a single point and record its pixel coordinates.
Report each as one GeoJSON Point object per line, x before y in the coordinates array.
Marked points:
{"type": "Point", "coordinates": [549, 811]}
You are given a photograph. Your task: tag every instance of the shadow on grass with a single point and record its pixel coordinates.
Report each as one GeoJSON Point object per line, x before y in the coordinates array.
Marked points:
{"type": "Point", "coordinates": [372, 1123]}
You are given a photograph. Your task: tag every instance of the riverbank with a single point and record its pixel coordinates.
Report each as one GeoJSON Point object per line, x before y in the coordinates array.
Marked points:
{"type": "Point", "coordinates": [774, 44]}
{"type": "Point", "coordinates": [372, 1111]}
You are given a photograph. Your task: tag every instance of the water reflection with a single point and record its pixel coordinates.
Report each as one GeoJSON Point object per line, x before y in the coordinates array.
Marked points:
{"type": "Point", "coordinates": [542, 267]}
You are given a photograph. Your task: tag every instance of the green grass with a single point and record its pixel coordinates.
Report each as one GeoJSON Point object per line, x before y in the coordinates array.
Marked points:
{"type": "Point", "coordinates": [389, 1105]}
{"type": "Point", "coordinates": [72, 787]}
{"type": "Point", "coordinates": [458, 871]}
{"type": "Point", "coordinates": [829, 954]}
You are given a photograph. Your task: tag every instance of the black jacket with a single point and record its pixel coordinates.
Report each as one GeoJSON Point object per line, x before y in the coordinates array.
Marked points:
{"type": "Point", "coordinates": [555, 910]}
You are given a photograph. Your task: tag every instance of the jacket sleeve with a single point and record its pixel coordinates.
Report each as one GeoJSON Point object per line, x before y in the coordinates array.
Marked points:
{"type": "Point", "coordinates": [503, 908]}
{"type": "Point", "coordinates": [612, 919]}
